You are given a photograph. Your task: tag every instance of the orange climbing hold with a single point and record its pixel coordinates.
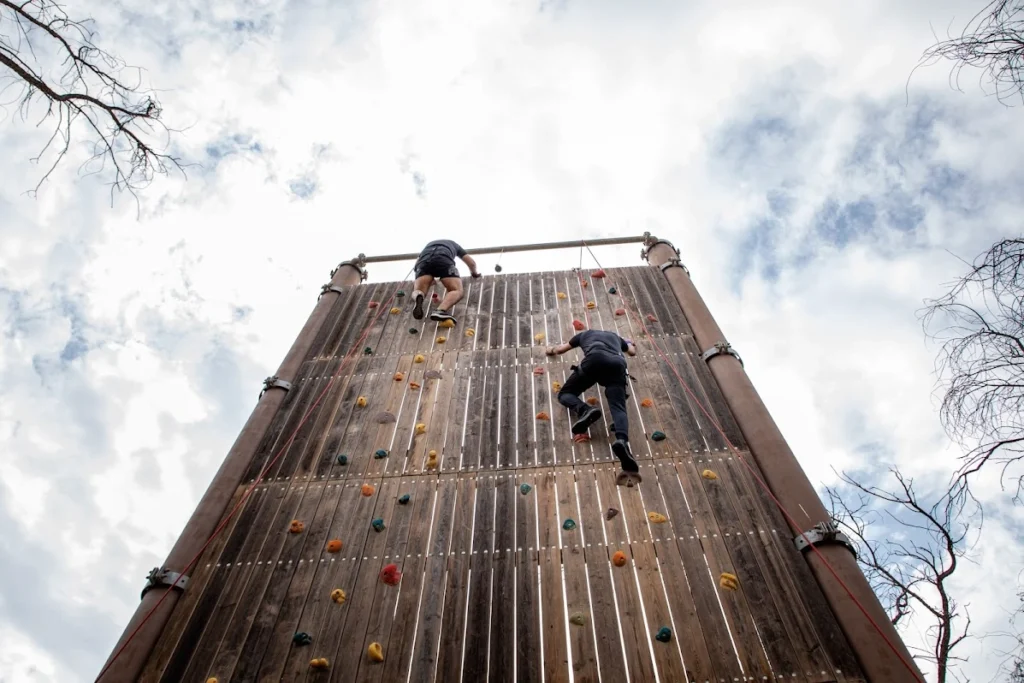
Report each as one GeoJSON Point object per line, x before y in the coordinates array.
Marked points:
{"type": "Point", "coordinates": [585, 284]}
{"type": "Point", "coordinates": [421, 428]}
{"type": "Point", "coordinates": [620, 311]}
{"type": "Point", "coordinates": [418, 358]}
{"type": "Point", "coordinates": [580, 438]}
{"type": "Point", "coordinates": [543, 416]}
{"type": "Point", "coordinates": [361, 401]}
{"type": "Point", "coordinates": [320, 663]}
{"type": "Point", "coordinates": [599, 273]}
{"type": "Point", "coordinates": [562, 295]}
{"type": "Point", "coordinates": [432, 460]}
{"type": "Point", "coordinates": [592, 400]}
{"type": "Point", "coordinates": [619, 558]}
{"type": "Point", "coordinates": [399, 377]}
{"type": "Point", "coordinates": [375, 652]}
{"type": "Point", "coordinates": [728, 581]}
{"type": "Point", "coordinates": [657, 518]}
{"type": "Point", "coordinates": [367, 490]}
{"type": "Point", "coordinates": [647, 403]}
{"type": "Point", "coordinates": [390, 575]}
{"type": "Point", "coordinates": [296, 527]}
{"type": "Point", "coordinates": [338, 596]}
{"type": "Point", "coordinates": [414, 385]}
{"type": "Point", "coordinates": [538, 371]}
{"type": "Point", "coordinates": [333, 545]}
{"type": "Point", "coordinates": [578, 325]}
{"type": "Point", "coordinates": [591, 305]}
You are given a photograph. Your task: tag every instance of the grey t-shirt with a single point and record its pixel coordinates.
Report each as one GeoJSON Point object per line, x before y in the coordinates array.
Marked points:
{"type": "Point", "coordinates": [444, 248]}
{"type": "Point", "coordinates": [599, 342]}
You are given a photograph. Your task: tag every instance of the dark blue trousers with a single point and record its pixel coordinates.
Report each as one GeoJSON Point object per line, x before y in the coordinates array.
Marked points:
{"type": "Point", "coordinates": [609, 372]}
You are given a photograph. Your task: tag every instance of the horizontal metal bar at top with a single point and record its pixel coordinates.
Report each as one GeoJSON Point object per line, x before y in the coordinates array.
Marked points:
{"type": "Point", "coordinates": [604, 241]}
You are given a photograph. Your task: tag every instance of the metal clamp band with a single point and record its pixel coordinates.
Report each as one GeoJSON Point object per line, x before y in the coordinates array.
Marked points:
{"type": "Point", "coordinates": [719, 348]}
{"type": "Point", "coordinates": [823, 533]}
{"type": "Point", "coordinates": [330, 288]}
{"type": "Point", "coordinates": [356, 263]}
{"type": "Point", "coordinates": [652, 243]}
{"type": "Point", "coordinates": [275, 382]}
{"type": "Point", "coordinates": [674, 263]}
{"type": "Point", "coordinates": [160, 576]}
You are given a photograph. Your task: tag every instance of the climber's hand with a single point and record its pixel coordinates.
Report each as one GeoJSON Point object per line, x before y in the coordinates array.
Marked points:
{"type": "Point", "coordinates": [476, 275]}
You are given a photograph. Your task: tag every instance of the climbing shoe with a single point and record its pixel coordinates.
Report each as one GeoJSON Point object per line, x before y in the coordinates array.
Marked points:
{"type": "Point", "coordinates": [621, 449]}
{"type": "Point", "coordinates": [588, 418]}
{"type": "Point", "coordinates": [441, 316]}
{"type": "Point", "coordinates": [417, 311]}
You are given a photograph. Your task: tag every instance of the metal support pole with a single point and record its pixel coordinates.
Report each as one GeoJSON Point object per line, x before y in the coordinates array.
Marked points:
{"type": "Point", "coordinates": [602, 242]}
{"type": "Point", "coordinates": [211, 508]}
{"type": "Point", "coordinates": [790, 485]}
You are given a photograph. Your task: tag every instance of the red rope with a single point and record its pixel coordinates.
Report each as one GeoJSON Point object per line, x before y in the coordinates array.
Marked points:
{"type": "Point", "coordinates": [245, 496]}
{"type": "Point", "coordinates": [764, 485]}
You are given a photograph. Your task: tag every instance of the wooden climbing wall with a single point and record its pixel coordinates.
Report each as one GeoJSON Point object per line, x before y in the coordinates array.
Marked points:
{"type": "Point", "coordinates": [494, 587]}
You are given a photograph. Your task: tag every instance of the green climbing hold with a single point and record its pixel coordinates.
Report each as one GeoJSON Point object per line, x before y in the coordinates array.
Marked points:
{"type": "Point", "coordinates": [524, 489]}
{"type": "Point", "coordinates": [658, 436]}
{"type": "Point", "coordinates": [378, 525]}
{"type": "Point", "coordinates": [400, 293]}
{"type": "Point", "coordinates": [302, 638]}
{"type": "Point", "coordinates": [342, 459]}
{"type": "Point", "coordinates": [612, 290]}
{"type": "Point", "coordinates": [381, 453]}
{"type": "Point", "coordinates": [413, 330]}
{"type": "Point", "coordinates": [368, 351]}
{"type": "Point", "coordinates": [568, 524]}
{"type": "Point", "coordinates": [578, 619]}
{"type": "Point", "coordinates": [404, 499]}
{"type": "Point", "coordinates": [664, 634]}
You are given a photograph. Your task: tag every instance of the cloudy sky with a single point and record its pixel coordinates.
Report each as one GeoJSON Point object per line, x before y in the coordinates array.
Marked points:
{"type": "Point", "coordinates": [817, 197]}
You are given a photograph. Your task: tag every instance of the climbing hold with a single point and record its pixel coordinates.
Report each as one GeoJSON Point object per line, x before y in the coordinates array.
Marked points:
{"type": "Point", "coordinates": [524, 489]}
{"type": "Point", "coordinates": [568, 524]}
{"type": "Point", "coordinates": [543, 416]}
{"type": "Point", "coordinates": [562, 295]}
{"type": "Point", "coordinates": [390, 575]}
{"type": "Point", "coordinates": [338, 596]}
{"type": "Point", "coordinates": [664, 634]}
{"type": "Point", "coordinates": [361, 401]}
{"type": "Point", "coordinates": [619, 558]}
{"type": "Point", "coordinates": [380, 453]}
{"type": "Point", "coordinates": [395, 310]}
{"type": "Point", "coordinates": [368, 351]}
{"type": "Point", "coordinates": [418, 358]}
{"type": "Point", "coordinates": [470, 332]}
{"type": "Point", "coordinates": [620, 311]}
{"type": "Point", "coordinates": [441, 340]}
{"type": "Point", "coordinates": [538, 371]}
{"type": "Point", "coordinates": [378, 525]}
{"type": "Point", "coordinates": [591, 305]}
{"type": "Point", "coordinates": [399, 377]}
{"type": "Point", "coordinates": [646, 403]}
{"type": "Point", "coordinates": [343, 459]}
{"type": "Point", "coordinates": [302, 638]}
{"type": "Point", "coordinates": [413, 386]}
{"type": "Point", "coordinates": [612, 290]}
{"type": "Point", "coordinates": [434, 297]}
{"type": "Point", "coordinates": [657, 518]}
{"type": "Point", "coordinates": [599, 273]}
{"type": "Point", "coordinates": [400, 293]}
{"type": "Point", "coordinates": [320, 663]}
{"type": "Point", "coordinates": [446, 323]}
{"type": "Point", "coordinates": [333, 545]}
{"type": "Point", "coordinates": [539, 337]}
{"type": "Point", "coordinates": [421, 428]}
{"type": "Point", "coordinates": [373, 304]}
{"type": "Point", "coordinates": [585, 284]}
{"type": "Point", "coordinates": [296, 527]}
{"type": "Point", "coordinates": [556, 385]}
{"type": "Point", "coordinates": [403, 499]}
{"type": "Point", "coordinates": [413, 330]}
{"type": "Point", "coordinates": [367, 490]}
{"type": "Point", "coordinates": [375, 652]}
{"type": "Point", "coordinates": [577, 619]}
{"type": "Point", "coordinates": [580, 438]}
{"type": "Point", "coordinates": [432, 460]}
{"type": "Point", "coordinates": [592, 400]}
{"type": "Point", "coordinates": [384, 417]}
{"type": "Point", "coordinates": [708, 474]}
{"type": "Point", "coordinates": [611, 513]}
{"type": "Point", "coordinates": [651, 318]}
{"type": "Point", "coordinates": [658, 436]}
{"type": "Point", "coordinates": [211, 680]}
{"type": "Point", "coordinates": [497, 267]}
{"type": "Point", "coordinates": [578, 325]}
{"type": "Point", "coordinates": [728, 581]}
{"type": "Point", "coordinates": [432, 374]}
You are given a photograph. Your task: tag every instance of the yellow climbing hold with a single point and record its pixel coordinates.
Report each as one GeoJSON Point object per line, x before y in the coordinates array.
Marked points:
{"type": "Point", "coordinates": [562, 295]}
{"type": "Point", "coordinates": [431, 460]}
{"type": "Point", "coordinates": [539, 337]}
{"type": "Point", "coordinates": [708, 474]}
{"type": "Point", "coordinates": [446, 323]}
{"type": "Point", "coordinates": [211, 680]}
{"type": "Point", "coordinates": [418, 358]}
{"type": "Point", "coordinates": [375, 652]}
{"type": "Point", "coordinates": [361, 401]}
{"type": "Point", "coordinates": [728, 581]}
{"type": "Point", "coordinates": [396, 310]}
{"type": "Point", "coordinates": [556, 385]}
{"type": "Point", "coordinates": [470, 332]}
{"type": "Point", "coordinates": [441, 340]}
{"type": "Point", "coordinates": [320, 663]}
{"type": "Point", "coordinates": [338, 596]}
{"type": "Point", "coordinates": [657, 517]}
{"type": "Point", "coordinates": [421, 428]}
{"type": "Point", "coordinates": [591, 305]}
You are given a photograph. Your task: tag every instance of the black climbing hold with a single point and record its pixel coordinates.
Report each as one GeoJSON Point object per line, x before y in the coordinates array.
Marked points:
{"type": "Point", "coordinates": [380, 453]}
{"type": "Point", "coordinates": [413, 330]}
{"type": "Point", "coordinates": [612, 290]}
{"type": "Point", "coordinates": [302, 638]}
{"type": "Point", "coordinates": [611, 513]}
{"type": "Point", "coordinates": [664, 634]}
{"type": "Point", "coordinates": [378, 524]}
{"type": "Point", "coordinates": [404, 499]}
{"type": "Point", "coordinates": [658, 436]}
{"type": "Point", "coordinates": [342, 459]}
{"type": "Point", "coordinates": [497, 269]}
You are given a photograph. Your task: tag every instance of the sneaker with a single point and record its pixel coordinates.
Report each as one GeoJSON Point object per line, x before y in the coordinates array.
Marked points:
{"type": "Point", "coordinates": [441, 316]}
{"type": "Point", "coordinates": [621, 449]}
{"type": "Point", "coordinates": [588, 418]}
{"type": "Point", "coordinates": [417, 311]}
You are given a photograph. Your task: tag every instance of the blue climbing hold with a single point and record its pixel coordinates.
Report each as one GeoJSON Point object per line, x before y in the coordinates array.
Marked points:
{"type": "Point", "coordinates": [612, 290]}
{"type": "Point", "coordinates": [302, 638]}
{"type": "Point", "coordinates": [378, 525]}
{"type": "Point", "coordinates": [524, 489]}
{"type": "Point", "coordinates": [664, 634]}
{"type": "Point", "coordinates": [368, 351]}
{"type": "Point", "coordinates": [413, 330]}
{"type": "Point", "coordinates": [381, 453]}
{"type": "Point", "coordinates": [400, 293]}
{"type": "Point", "coordinates": [568, 524]}
{"type": "Point", "coordinates": [658, 436]}
{"type": "Point", "coordinates": [342, 459]}
{"type": "Point", "coordinates": [404, 499]}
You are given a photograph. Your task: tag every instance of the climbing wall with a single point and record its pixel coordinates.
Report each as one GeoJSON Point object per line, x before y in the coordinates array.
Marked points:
{"type": "Point", "coordinates": [517, 556]}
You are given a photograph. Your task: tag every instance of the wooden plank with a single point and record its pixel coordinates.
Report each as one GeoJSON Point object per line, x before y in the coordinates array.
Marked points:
{"type": "Point", "coordinates": [687, 348]}
{"type": "Point", "coordinates": [526, 411]}
{"type": "Point", "coordinates": [509, 426]}
{"type": "Point", "coordinates": [339, 314]}
{"type": "Point", "coordinates": [453, 624]}
{"type": "Point", "coordinates": [478, 609]}
{"type": "Point", "coordinates": [553, 615]}
{"type": "Point", "coordinates": [503, 584]}
{"type": "Point", "coordinates": [395, 402]}
{"type": "Point", "coordinates": [496, 325]}
{"type": "Point", "coordinates": [436, 400]}
{"type": "Point", "coordinates": [524, 317]}
{"type": "Point", "coordinates": [527, 597]}
{"type": "Point", "coordinates": [490, 410]}
{"type": "Point", "coordinates": [469, 457]}
{"type": "Point", "coordinates": [346, 325]}
{"type": "Point", "coordinates": [450, 458]}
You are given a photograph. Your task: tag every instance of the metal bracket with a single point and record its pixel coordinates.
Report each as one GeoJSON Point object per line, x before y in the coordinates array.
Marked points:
{"type": "Point", "coordinates": [823, 533]}
{"type": "Point", "coordinates": [358, 263]}
{"type": "Point", "coordinates": [275, 382]}
{"type": "Point", "coordinates": [651, 242]}
{"type": "Point", "coordinates": [330, 288]}
{"type": "Point", "coordinates": [720, 348]}
{"type": "Point", "coordinates": [160, 576]}
{"type": "Point", "coordinates": [674, 263]}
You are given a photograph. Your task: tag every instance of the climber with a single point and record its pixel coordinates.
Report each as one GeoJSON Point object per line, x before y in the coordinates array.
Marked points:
{"type": "Point", "coordinates": [604, 364]}
{"type": "Point", "coordinates": [437, 260]}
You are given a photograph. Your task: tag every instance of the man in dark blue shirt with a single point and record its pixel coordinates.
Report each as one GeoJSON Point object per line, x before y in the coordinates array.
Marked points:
{"type": "Point", "coordinates": [437, 260]}
{"type": "Point", "coordinates": [604, 364]}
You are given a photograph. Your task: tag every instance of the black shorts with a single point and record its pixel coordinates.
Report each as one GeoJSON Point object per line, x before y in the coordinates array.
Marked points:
{"type": "Point", "coordinates": [437, 266]}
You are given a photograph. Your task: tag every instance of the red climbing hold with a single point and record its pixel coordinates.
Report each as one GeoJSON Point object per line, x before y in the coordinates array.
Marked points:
{"type": "Point", "coordinates": [578, 325]}
{"type": "Point", "coordinates": [543, 416]}
{"type": "Point", "coordinates": [434, 297]}
{"type": "Point", "coordinates": [592, 400]}
{"type": "Point", "coordinates": [651, 318]}
{"type": "Point", "coordinates": [538, 371]}
{"type": "Point", "coordinates": [390, 575]}
{"type": "Point", "coordinates": [620, 311]}
{"type": "Point", "coordinates": [372, 304]}
{"type": "Point", "coordinates": [599, 273]}
{"type": "Point", "coordinates": [580, 438]}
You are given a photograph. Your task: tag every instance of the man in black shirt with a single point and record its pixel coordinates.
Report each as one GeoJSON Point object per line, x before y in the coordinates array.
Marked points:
{"type": "Point", "coordinates": [437, 260]}
{"type": "Point", "coordinates": [604, 364]}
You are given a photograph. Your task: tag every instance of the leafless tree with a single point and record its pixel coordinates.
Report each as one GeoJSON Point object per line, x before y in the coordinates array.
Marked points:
{"type": "Point", "coordinates": [52, 72]}
{"type": "Point", "coordinates": [980, 324]}
{"type": "Point", "coordinates": [992, 41]}
{"type": "Point", "coordinates": [909, 549]}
